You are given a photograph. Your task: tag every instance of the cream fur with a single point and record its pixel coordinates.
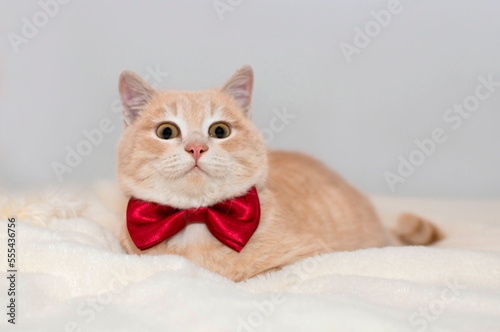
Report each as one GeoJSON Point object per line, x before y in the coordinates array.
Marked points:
{"type": "Point", "coordinates": [306, 208]}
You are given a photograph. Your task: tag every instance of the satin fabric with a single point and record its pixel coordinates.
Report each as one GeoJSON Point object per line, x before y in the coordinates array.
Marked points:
{"type": "Point", "coordinates": [232, 222]}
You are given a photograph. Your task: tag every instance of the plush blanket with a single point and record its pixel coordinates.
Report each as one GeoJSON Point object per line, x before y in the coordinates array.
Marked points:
{"type": "Point", "coordinates": [73, 275]}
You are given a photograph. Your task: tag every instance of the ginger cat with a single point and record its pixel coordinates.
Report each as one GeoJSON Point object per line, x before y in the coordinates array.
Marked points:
{"type": "Point", "coordinates": [192, 149]}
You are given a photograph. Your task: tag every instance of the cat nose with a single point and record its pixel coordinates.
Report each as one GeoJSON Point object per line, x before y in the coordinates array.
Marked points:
{"type": "Point", "coordinates": [196, 150]}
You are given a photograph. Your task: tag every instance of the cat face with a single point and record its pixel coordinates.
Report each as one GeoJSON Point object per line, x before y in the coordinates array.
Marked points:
{"type": "Point", "coordinates": [189, 149]}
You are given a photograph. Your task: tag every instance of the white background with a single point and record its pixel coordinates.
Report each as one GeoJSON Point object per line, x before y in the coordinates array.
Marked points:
{"type": "Point", "coordinates": [357, 117]}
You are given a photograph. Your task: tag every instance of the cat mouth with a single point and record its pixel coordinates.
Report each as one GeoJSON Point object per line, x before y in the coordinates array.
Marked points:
{"type": "Point", "coordinates": [196, 169]}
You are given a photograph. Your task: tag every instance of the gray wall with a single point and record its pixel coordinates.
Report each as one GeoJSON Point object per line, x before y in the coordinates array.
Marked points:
{"type": "Point", "coordinates": [357, 113]}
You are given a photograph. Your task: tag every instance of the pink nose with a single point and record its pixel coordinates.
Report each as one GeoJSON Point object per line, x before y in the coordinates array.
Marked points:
{"type": "Point", "coordinates": [196, 150]}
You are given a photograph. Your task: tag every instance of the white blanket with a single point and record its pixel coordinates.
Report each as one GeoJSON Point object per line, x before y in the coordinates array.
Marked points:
{"type": "Point", "coordinates": [74, 276]}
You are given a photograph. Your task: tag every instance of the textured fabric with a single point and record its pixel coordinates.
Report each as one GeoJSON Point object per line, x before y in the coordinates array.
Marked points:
{"type": "Point", "coordinates": [74, 276]}
{"type": "Point", "coordinates": [232, 222]}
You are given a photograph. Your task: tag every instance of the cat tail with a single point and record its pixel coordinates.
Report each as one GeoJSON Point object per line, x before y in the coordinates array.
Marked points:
{"type": "Point", "coordinates": [414, 230]}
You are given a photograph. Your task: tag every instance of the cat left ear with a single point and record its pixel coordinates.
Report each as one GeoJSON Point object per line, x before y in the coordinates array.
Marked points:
{"type": "Point", "coordinates": [135, 94]}
{"type": "Point", "coordinates": [239, 87]}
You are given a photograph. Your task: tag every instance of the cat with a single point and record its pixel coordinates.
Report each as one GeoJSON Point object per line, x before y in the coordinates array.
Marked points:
{"type": "Point", "coordinates": [170, 154]}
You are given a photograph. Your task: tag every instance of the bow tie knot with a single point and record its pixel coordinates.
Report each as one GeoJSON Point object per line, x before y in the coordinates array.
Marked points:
{"type": "Point", "coordinates": [232, 222]}
{"type": "Point", "coordinates": [195, 215]}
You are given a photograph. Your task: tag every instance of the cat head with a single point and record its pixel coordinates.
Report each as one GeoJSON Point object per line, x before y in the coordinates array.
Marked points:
{"type": "Point", "coordinates": [189, 149]}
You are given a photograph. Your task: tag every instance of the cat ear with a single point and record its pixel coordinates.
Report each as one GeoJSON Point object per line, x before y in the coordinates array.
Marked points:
{"type": "Point", "coordinates": [239, 87]}
{"type": "Point", "coordinates": [135, 94]}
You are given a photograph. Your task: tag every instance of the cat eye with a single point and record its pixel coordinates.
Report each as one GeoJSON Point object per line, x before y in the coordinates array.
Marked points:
{"type": "Point", "coordinates": [219, 130]}
{"type": "Point", "coordinates": [167, 131]}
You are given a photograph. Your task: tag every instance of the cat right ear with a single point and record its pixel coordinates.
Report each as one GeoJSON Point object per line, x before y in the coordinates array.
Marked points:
{"type": "Point", "coordinates": [239, 87]}
{"type": "Point", "coordinates": [135, 94]}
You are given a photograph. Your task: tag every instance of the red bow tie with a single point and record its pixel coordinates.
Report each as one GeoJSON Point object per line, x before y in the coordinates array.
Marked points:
{"type": "Point", "coordinates": [232, 222]}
